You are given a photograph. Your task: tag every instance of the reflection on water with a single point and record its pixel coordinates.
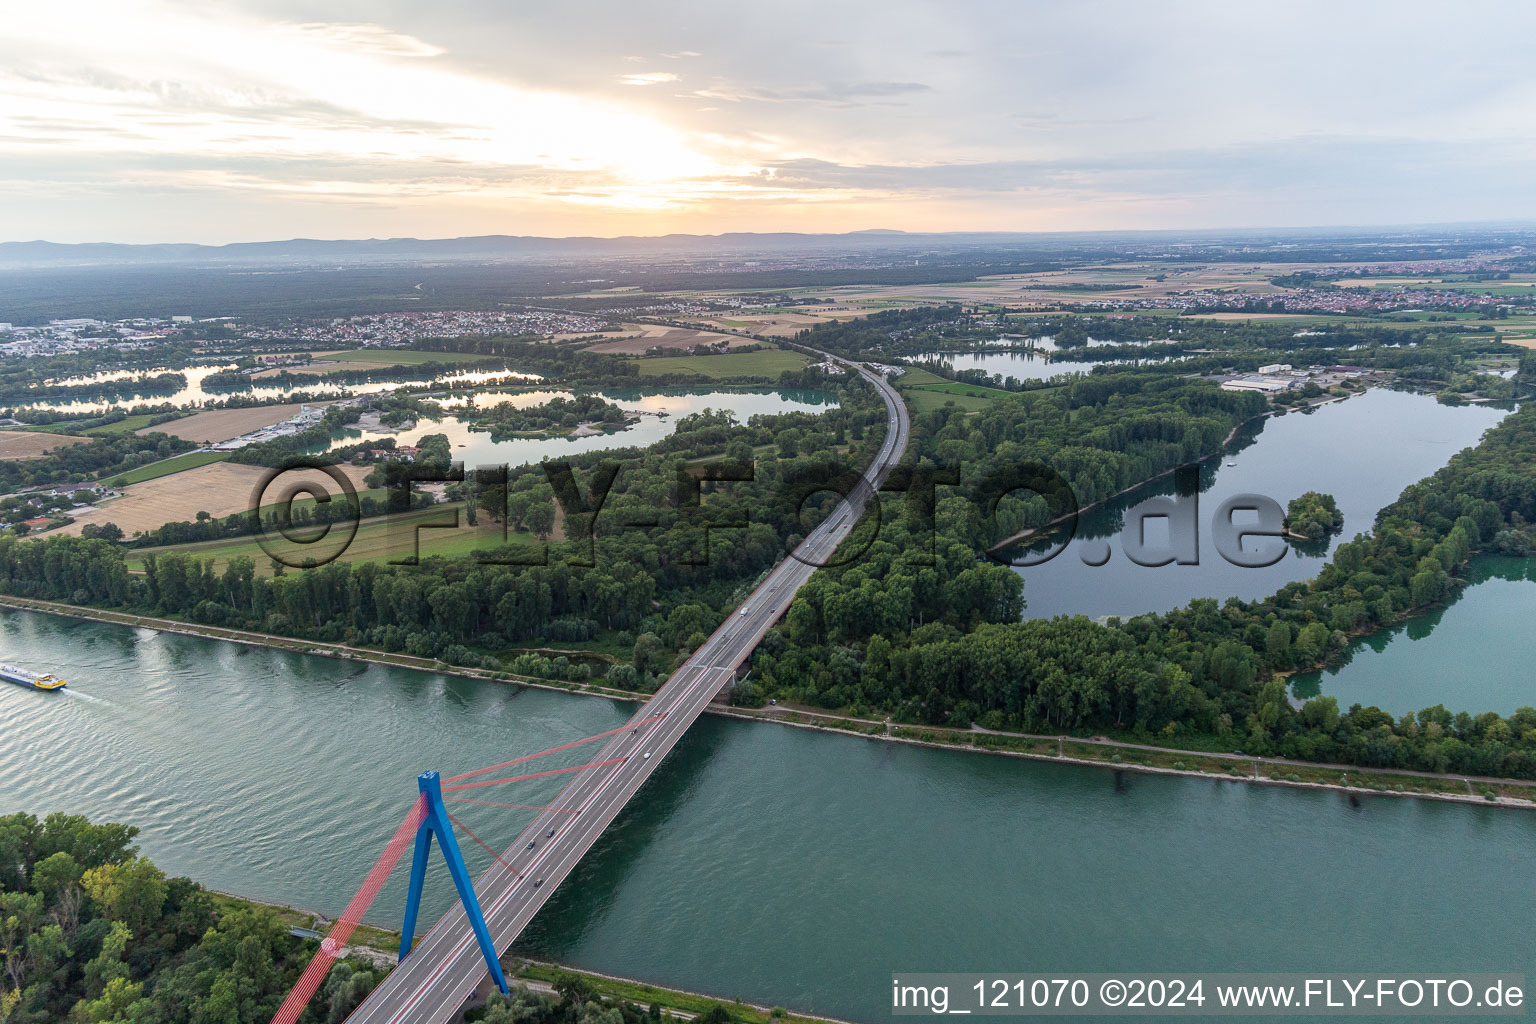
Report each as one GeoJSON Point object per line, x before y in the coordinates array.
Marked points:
{"type": "Point", "coordinates": [1025, 358]}
{"type": "Point", "coordinates": [195, 393]}
{"type": "Point", "coordinates": [659, 413]}
{"type": "Point", "coordinates": [1018, 363]}
{"type": "Point", "coordinates": [779, 865]}
{"type": "Point", "coordinates": [1473, 655]}
{"type": "Point", "coordinates": [1363, 451]}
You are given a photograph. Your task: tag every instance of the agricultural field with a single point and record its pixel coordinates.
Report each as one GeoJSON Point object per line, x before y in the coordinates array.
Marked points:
{"type": "Point", "coordinates": [773, 323]}
{"type": "Point", "coordinates": [639, 339]}
{"type": "Point", "coordinates": [217, 425]}
{"type": "Point", "coordinates": [370, 359]}
{"type": "Point", "coordinates": [139, 422]}
{"type": "Point", "coordinates": [762, 363]}
{"type": "Point", "coordinates": [383, 539]}
{"type": "Point", "coordinates": [220, 489]}
{"type": "Point", "coordinates": [167, 467]}
{"type": "Point", "coordinates": [32, 444]}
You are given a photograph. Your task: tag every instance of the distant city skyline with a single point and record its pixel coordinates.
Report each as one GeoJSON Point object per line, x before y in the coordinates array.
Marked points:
{"type": "Point", "coordinates": [164, 121]}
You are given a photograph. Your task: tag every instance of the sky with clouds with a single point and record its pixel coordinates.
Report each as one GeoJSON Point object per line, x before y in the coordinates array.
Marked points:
{"type": "Point", "coordinates": [155, 120]}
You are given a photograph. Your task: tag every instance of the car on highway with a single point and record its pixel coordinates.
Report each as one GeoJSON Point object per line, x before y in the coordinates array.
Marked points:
{"type": "Point", "coordinates": [530, 843]}
{"type": "Point", "coordinates": [538, 882]}
{"type": "Point", "coordinates": [645, 755]}
{"type": "Point", "coordinates": [549, 834]}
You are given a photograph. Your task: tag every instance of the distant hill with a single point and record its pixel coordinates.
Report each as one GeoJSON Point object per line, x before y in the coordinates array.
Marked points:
{"type": "Point", "coordinates": [478, 248]}
{"type": "Point", "coordinates": [515, 248]}
{"type": "Point", "coordinates": [485, 249]}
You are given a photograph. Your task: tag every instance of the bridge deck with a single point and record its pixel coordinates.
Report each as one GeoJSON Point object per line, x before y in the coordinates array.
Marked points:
{"type": "Point", "coordinates": [441, 973]}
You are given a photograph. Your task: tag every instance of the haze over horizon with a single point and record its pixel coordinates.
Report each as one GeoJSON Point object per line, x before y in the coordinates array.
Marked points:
{"type": "Point", "coordinates": [165, 121]}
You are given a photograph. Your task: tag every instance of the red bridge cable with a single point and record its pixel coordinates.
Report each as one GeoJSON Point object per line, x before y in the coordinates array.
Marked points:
{"type": "Point", "coordinates": [530, 757]}
{"type": "Point", "coordinates": [309, 982]}
{"type": "Point", "coordinates": [487, 849]}
{"type": "Point", "coordinates": [534, 775]}
{"type": "Point", "coordinates": [515, 807]}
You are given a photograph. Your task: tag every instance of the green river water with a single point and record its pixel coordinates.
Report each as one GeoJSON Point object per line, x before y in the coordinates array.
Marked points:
{"type": "Point", "coordinates": [773, 864]}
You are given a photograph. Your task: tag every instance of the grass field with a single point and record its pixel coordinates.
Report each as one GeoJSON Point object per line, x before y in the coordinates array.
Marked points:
{"type": "Point", "coordinates": [957, 388]}
{"type": "Point", "coordinates": [396, 357]}
{"type": "Point", "coordinates": [175, 464]}
{"type": "Point", "coordinates": [925, 391]}
{"type": "Point", "coordinates": [762, 363]}
{"type": "Point", "coordinates": [922, 400]}
{"type": "Point", "coordinates": [384, 539]}
{"type": "Point", "coordinates": [122, 426]}
{"type": "Point", "coordinates": [914, 376]}
{"type": "Point", "coordinates": [641, 994]}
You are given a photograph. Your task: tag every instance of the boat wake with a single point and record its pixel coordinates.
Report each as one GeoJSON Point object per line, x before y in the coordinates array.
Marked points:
{"type": "Point", "coordinates": [77, 695]}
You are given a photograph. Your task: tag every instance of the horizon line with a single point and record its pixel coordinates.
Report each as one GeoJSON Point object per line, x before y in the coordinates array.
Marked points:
{"type": "Point", "coordinates": [866, 232]}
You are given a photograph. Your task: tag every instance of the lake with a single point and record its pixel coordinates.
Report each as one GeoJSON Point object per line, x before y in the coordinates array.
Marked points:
{"type": "Point", "coordinates": [1474, 654]}
{"type": "Point", "coordinates": [659, 412]}
{"type": "Point", "coordinates": [1363, 451]}
{"type": "Point", "coordinates": [195, 394]}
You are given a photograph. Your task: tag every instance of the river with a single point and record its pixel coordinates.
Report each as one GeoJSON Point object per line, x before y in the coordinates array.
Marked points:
{"type": "Point", "coordinates": [773, 864]}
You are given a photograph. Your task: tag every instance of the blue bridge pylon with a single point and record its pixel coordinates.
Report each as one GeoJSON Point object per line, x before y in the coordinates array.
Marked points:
{"type": "Point", "coordinates": [435, 822]}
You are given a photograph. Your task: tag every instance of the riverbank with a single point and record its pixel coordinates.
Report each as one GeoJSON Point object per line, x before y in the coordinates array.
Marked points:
{"type": "Point", "coordinates": [1120, 755]}
{"type": "Point", "coordinates": [1096, 752]}
{"type": "Point", "coordinates": [379, 948]}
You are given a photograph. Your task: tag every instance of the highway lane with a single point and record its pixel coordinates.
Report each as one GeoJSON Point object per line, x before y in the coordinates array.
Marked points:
{"type": "Point", "coordinates": [445, 967]}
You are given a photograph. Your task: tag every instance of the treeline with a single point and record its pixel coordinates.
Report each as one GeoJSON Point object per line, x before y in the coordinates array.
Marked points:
{"type": "Point", "coordinates": [36, 371]}
{"type": "Point", "coordinates": [889, 633]}
{"type": "Point", "coordinates": [1208, 345]}
{"type": "Point", "coordinates": [575, 1001]}
{"type": "Point", "coordinates": [876, 334]}
{"type": "Point", "coordinates": [77, 423]}
{"type": "Point", "coordinates": [97, 459]}
{"type": "Point", "coordinates": [670, 581]}
{"type": "Point", "coordinates": [94, 390]}
{"type": "Point", "coordinates": [280, 449]}
{"type": "Point", "coordinates": [562, 413]}
{"type": "Point", "coordinates": [428, 371]}
{"type": "Point", "coordinates": [92, 932]}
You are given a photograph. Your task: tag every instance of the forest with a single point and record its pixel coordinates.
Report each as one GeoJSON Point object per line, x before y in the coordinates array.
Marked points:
{"type": "Point", "coordinates": [97, 459]}
{"type": "Point", "coordinates": [884, 633]}
{"type": "Point", "coordinates": [656, 573]}
{"type": "Point", "coordinates": [1313, 516]}
{"type": "Point", "coordinates": [660, 542]}
{"type": "Point", "coordinates": [557, 414]}
{"type": "Point", "coordinates": [93, 933]}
